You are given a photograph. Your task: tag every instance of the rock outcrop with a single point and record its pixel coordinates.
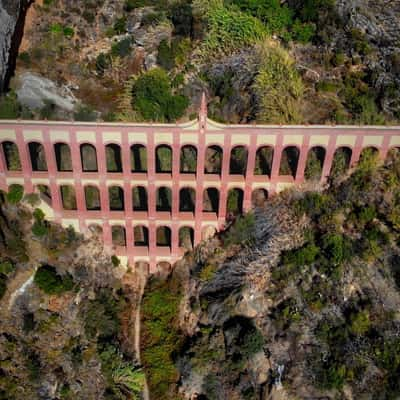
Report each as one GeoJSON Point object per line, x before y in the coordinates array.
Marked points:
{"type": "Point", "coordinates": [12, 19]}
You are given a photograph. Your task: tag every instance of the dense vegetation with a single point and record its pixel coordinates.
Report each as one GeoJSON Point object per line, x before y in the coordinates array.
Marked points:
{"type": "Point", "coordinates": [238, 51]}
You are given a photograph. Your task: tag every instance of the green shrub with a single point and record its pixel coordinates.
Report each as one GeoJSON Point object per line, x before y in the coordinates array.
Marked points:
{"type": "Point", "coordinates": [303, 33]}
{"type": "Point", "coordinates": [15, 193]}
{"type": "Point", "coordinates": [120, 25]}
{"type": "Point", "coordinates": [115, 261]}
{"type": "Point", "coordinates": [122, 48]}
{"type": "Point", "coordinates": [47, 279]}
{"type": "Point", "coordinates": [130, 5]}
{"type": "Point", "coordinates": [39, 229]}
{"type": "Point", "coordinates": [242, 231]}
{"type": "Point", "coordinates": [85, 113]}
{"type": "Point", "coordinates": [207, 273]}
{"type": "Point", "coordinates": [103, 62]}
{"type": "Point", "coordinates": [32, 199]}
{"type": "Point", "coordinates": [68, 31]}
{"type": "Point", "coordinates": [165, 56]}
{"type": "Point", "coordinates": [9, 107]}
{"type": "Point", "coordinates": [152, 97]}
{"type": "Point", "coordinates": [360, 323]}
{"type": "Point", "coordinates": [304, 256]}
{"type": "Point", "coordinates": [102, 316]}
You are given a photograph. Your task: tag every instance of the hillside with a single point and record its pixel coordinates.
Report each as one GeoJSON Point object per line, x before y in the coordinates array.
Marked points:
{"type": "Point", "coordinates": [299, 301]}
{"type": "Point", "coordinates": [308, 61]}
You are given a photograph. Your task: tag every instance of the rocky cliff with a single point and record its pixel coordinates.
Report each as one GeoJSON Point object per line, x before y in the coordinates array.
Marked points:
{"type": "Point", "coordinates": [12, 20]}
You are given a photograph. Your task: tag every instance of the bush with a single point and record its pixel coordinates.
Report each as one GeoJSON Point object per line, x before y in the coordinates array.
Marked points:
{"type": "Point", "coordinates": [9, 107]}
{"type": "Point", "coordinates": [242, 232]}
{"type": "Point", "coordinates": [152, 97]}
{"type": "Point", "coordinates": [122, 48]}
{"type": "Point", "coordinates": [47, 279]}
{"type": "Point", "coordinates": [165, 56]}
{"type": "Point", "coordinates": [15, 193]}
{"type": "Point", "coordinates": [120, 26]}
{"type": "Point", "coordinates": [103, 62]}
{"type": "Point", "coordinates": [85, 113]}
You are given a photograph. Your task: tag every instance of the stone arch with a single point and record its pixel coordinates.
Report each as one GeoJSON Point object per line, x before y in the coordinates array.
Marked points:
{"type": "Point", "coordinates": [213, 160]}
{"type": "Point", "coordinates": [163, 267]}
{"type": "Point", "coordinates": [139, 198]}
{"type": "Point", "coordinates": [96, 229]}
{"type": "Point", "coordinates": [289, 161]}
{"type": "Point", "coordinates": [116, 198]}
{"type": "Point", "coordinates": [163, 159]}
{"type": "Point", "coordinates": [11, 156]}
{"type": "Point", "coordinates": [369, 152]}
{"type": "Point", "coordinates": [44, 193]}
{"type": "Point", "coordinates": [138, 158]}
{"type": "Point", "coordinates": [208, 232]}
{"type": "Point", "coordinates": [238, 160]}
{"type": "Point", "coordinates": [187, 199]}
{"type": "Point", "coordinates": [234, 202]}
{"type": "Point", "coordinates": [118, 235]}
{"type": "Point", "coordinates": [259, 198]}
{"type": "Point", "coordinates": [188, 159]}
{"type": "Point", "coordinates": [211, 200]}
{"type": "Point", "coordinates": [264, 157]}
{"type": "Point", "coordinates": [142, 266]}
{"type": "Point", "coordinates": [164, 199]}
{"type": "Point", "coordinates": [37, 156]}
{"type": "Point", "coordinates": [113, 158]}
{"type": "Point", "coordinates": [163, 236]}
{"type": "Point", "coordinates": [393, 155]}
{"type": "Point", "coordinates": [141, 236]}
{"type": "Point", "coordinates": [186, 237]}
{"type": "Point", "coordinates": [92, 198]}
{"type": "Point", "coordinates": [88, 157]}
{"type": "Point", "coordinates": [63, 157]}
{"type": "Point", "coordinates": [341, 161]}
{"type": "Point", "coordinates": [68, 197]}
{"type": "Point", "coordinates": [314, 163]}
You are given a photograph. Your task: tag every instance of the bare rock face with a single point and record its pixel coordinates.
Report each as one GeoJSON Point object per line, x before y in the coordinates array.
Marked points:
{"type": "Point", "coordinates": [12, 18]}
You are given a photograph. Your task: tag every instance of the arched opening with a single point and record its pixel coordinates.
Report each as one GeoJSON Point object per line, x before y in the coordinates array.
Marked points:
{"type": "Point", "coordinates": [113, 158]}
{"type": "Point", "coordinates": [116, 198]}
{"type": "Point", "coordinates": [393, 156]}
{"type": "Point", "coordinates": [138, 158]}
{"type": "Point", "coordinates": [186, 238]}
{"type": "Point", "coordinates": [45, 193]}
{"type": "Point", "coordinates": [63, 157]}
{"type": "Point", "coordinates": [164, 267]}
{"type": "Point", "coordinates": [88, 158]}
{"type": "Point", "coordinates": [96, 230]}
{"type": "Point", "coordinates": [289, 161]}
{"type": "Point", "coordinates": [164, 199]}
{"type": "Point", "coordinates": [213, 160]}
{"type": "Point", "coordinates": [369, 154]}
{"type": "Point", "coordinates": [187, 200]}
{"type": "Point", "coordinates": [141, 236]}
{"type": "Point", "coordinates": [208, 232]}
{"type": "Point", "coordinates": [264, 157]}
{"type": "Point", "coordinates": [211, 200]}
{"type": "Point", "coordinates": [259, 198]}
{"type": "Point", "coordinates": [315, 163]}
{"type": "Point", "coordinates": [234, 203]}
{"type": "Point", "coordinates": [92, 198]}
{"type": "Point", "coordinates": [238, 161]}
{"type": "Point", "coordinates": [163, 236]}
{"type": "Point", "coordinates": [188, 160]}
{"type": "Point", "coordinates": [142, 266]}
{"type": "Point", "coordinates": [118, 236]}
{"type": "Point", "coordinates": [341, 162]}
{"type": "Point", "coordinates": [163, 159]}
{"type": "Point", "coordinates": [11, 156]}
{"type": "Point", "coordinates": [139, 198]}
{"type": "Point", "coordinates": [68, 197]}
{"type": "Point", "coordinates": [38, 156]}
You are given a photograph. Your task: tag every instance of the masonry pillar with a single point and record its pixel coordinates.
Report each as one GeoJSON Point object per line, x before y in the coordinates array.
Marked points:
{"type": "Point", "coordinates": [175, 194]}
{"type": "Point", "coordinates": [276, 162]}
{"type": "Point", "coordinates": [51, 162]}
{"type": "Point", "coordinates": [151, 193]}
{"type": "Point", "coordinates": [223, 197]}
{"type": "Point", "coordinates": [330, 152]}
{"type": "Point", "coordinates": [3, 170]}
{"type": "Point", "coordinates": [201, 149]}
{"type": "Point", "coordinates": [251, 161]}
{"type": "Point", "coordinates": [355, 155]}
{"type": "Point", "coordinates": [383, 151]}
{"type": "Point", "coordinates": [302, 161]}
{"type": "Point", "coordinates": [25, 160]}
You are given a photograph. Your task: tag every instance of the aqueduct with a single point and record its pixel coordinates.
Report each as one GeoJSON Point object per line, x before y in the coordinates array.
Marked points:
{"type": "Point", "coordinates": [154, 190]}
